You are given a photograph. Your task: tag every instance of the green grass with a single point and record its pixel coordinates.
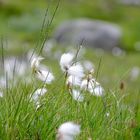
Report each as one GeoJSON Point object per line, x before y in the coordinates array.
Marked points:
{"type": "Point", "coordinates": [19, 118]}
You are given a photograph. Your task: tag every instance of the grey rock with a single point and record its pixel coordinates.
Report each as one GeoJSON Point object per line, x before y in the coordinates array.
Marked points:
{"type": "Point", "coordinates": [130, 2]}
{"type": "Point", "coordinates": [93, 33]}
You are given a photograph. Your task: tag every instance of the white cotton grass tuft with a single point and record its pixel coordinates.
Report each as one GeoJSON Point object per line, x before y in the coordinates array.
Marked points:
{"type": "Point", "coordinates": [76, 70]}
{"type": "Point", "coordinates": [88, 84]}
{"type": "Point", "coordinates": [66, 61]}
{"type": "Point", "coordinates": [88, 66]}
{"type": "Point", "coordinates": [98, 91]}
{"type": "Point", "coordinates": [64, 137]}
{"type": "Point", "coordinates": [3, 81]}
{"type": "Point", "coordinates": [38, 93]}
{"type": "Point", "coordinates": [77, 95]}
{"type": "Point", "coordinates": [45, 76]}
{"type": "Point", "coordinates": [1, 94]}
{"type": "Point", "coordinates": [134, 73]}
{"type": "Point", "coordinates": [71, 68]}
{"type": "Point", "coordinates": [31, 54]}
{"type": "Point", "coordinates": [35, 62]}
{"type": "Point", "coordinates": [75, 74]}
{"type": "Point", "coordinates": [73, 81]}
{"type": "Point", "coordinates": [68, 131]}
{"type": "Point", "coordinates": [14, 67]}
{"type": "Point", "coordinates": [107, 114]}
{"type": "Point", "coordinates": [92, 86]}
{"type": "Point", "coordinates": [41, 71]}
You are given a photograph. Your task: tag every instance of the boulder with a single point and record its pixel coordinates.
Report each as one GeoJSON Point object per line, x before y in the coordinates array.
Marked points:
{"type": "Point", "coordinates": [130, 2]}
{"type": "Point", "coordinates": [92, 33]}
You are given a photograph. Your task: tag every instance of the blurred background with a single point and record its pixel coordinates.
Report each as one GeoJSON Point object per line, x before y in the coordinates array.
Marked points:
{"type": "Point", "coordinates": [22, 20]}
{"type": "Point", "coordinates": [111, 25]}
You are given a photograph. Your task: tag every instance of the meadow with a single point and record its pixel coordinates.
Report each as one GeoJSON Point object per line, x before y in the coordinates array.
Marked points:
{"type": "Point", "coordinates": [36, 96]}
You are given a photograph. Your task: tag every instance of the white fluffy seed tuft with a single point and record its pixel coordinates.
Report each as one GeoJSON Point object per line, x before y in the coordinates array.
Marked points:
{"type": "Point", "coordinates": [38, 93]}
{"type": "Point", "coordinates": [45, 76]}
{"type": "Point", "coordinates": [76, 70]}
{"type": "Point", "coordinates": [77, 95]}
{"type": "Point", "coordinates": [73, 81]}
{"type": "Point", "coordinates": [67, 131]}
{"type": "Point", "coordinates": [35, 62]}
{"type": "Point", "coordinates": [66, 60]}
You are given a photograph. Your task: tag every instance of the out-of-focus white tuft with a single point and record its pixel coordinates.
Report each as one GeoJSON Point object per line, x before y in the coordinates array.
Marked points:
{"type": "Point", "coordinates": [1, 94]}
{"type": "Point", "coordinates": [107, 114]}
{"type": "Point", "coordinates": [88, 84]}
{"type": "Point", "coordinates": [38, 93]}
{"type": "Point", "coordinates": [71, 68]}
{"type": "Point", "coordinates": [73, 81]}
{"type": "Point", "coordinates": [31, 55]}
{"type": "Point", "coordinates": [45, 76]}
{"type": "Point", "coordinates": [66, 60]}
{"type": "Point", "coordinates": [134, 73]}
{"type": "Point", "coordinates": [76, 70]}
{"type": "Point", "coordinates": [118, 52]}
{"type": "Point", "coordinates": [3, 81]}
{"type": "Point", "coordinates": [35, 62]}
{"type": "Point", "coordinates": [98, 90]}
{"type": "Point", "coordinates": [67, 131]}
{"type": "Point", "coordinates": [92, 86]}
{"type": "Point", "coordinates": [76, 94]}
{"type": "Point", "coordinates": [88, 66]}
{"type": "Point", "coordinates": [41, 71]}
{"type": "Point", "coordinates": [14, 67]}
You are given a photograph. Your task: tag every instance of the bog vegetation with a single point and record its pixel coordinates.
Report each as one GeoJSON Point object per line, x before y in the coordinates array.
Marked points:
{"type": "Point", "coordinates": [48, 93]}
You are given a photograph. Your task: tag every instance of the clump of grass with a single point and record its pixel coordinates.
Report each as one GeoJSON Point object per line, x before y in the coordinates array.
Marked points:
{"type": "Point", "coordinates": [107, 117]}
{"type": "Point", "coordinates": [34, 106]}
